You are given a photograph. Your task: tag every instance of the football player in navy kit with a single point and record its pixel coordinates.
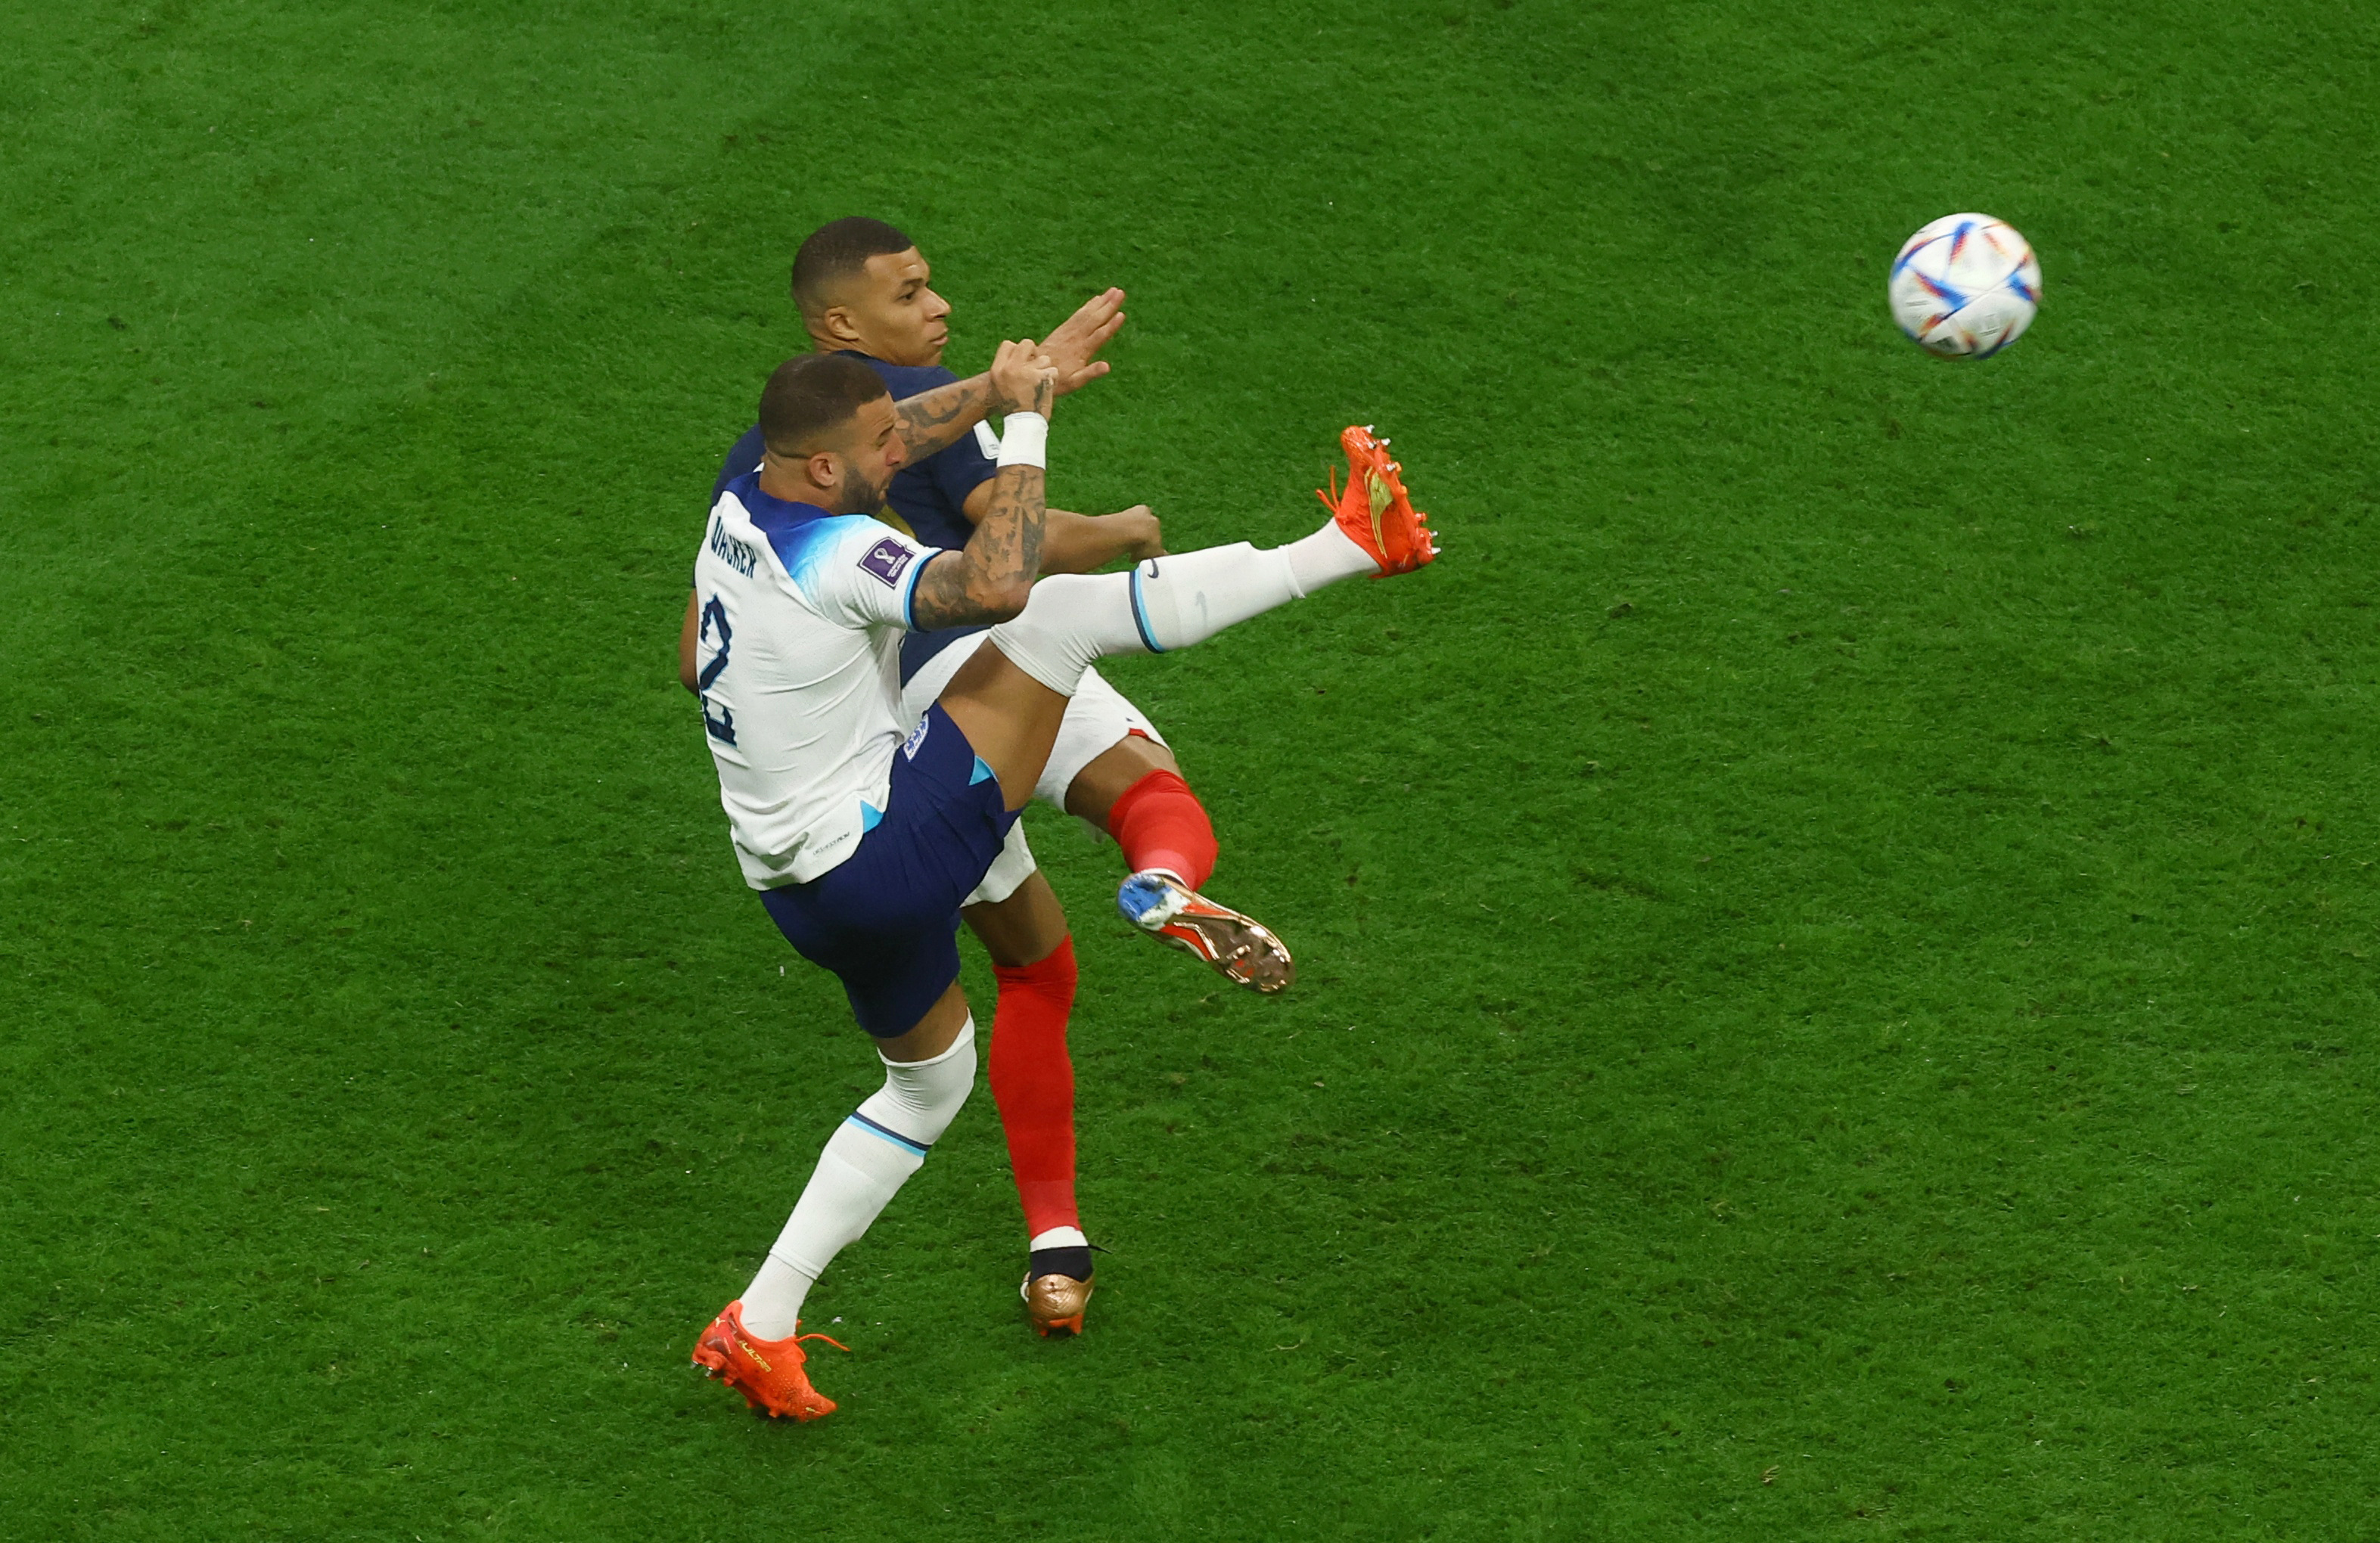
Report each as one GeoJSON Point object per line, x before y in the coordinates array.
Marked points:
{"type": "Point", "coordinates": [864, 289]}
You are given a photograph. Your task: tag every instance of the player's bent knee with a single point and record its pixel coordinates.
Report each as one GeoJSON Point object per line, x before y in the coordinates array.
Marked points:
{"type": "Point", "coordinates": [1025, 929]}
{"type": "Point", "coordinates": [1108, 775]}
{"type": "Point", "coordinates": [922, 1098]}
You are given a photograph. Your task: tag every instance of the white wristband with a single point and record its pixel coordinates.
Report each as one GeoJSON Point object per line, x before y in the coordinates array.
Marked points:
{"type": "Point", "coordinates": [1024, 440]}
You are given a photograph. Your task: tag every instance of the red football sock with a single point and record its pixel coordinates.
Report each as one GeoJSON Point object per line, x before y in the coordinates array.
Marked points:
{"type": "Point", "coordinates": [1033, 1083]}
{"type": "Point", "coordinates": [1160, 824]}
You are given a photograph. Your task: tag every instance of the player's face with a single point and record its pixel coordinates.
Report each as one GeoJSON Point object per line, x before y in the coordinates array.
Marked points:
{"type": "Point", "coordinates": [899, 318]}
{"type": "Point", "coordinates": [870, 455]}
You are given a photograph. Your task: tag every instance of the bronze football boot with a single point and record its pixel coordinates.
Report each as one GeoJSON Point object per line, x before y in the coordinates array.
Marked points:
{"type": "Point", "coordinates": [1055, 1303]}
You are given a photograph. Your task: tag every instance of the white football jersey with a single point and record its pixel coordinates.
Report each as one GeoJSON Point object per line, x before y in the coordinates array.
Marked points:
{"type": "Point", "coordinates": [798, 663]}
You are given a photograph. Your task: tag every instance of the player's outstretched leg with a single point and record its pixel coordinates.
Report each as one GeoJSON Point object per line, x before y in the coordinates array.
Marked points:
{"type": "Point", "coordinates": [754, 1345]}
{"type": "Point", "coordinates": [1171, 602]}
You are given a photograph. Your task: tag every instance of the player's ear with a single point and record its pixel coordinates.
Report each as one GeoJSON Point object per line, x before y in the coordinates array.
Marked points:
{"type": "Point", "coordinates": [836, 325]}
{"type": "Point", "coordinates": [822, 470]}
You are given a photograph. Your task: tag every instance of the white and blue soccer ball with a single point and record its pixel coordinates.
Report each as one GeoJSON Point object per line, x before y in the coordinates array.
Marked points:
{"type": "Point", "coordinates": [1965, 286]}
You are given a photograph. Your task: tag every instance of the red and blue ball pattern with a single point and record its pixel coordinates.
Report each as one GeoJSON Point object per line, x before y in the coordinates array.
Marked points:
{"type": "Point", "coordinates": [1965, 286]}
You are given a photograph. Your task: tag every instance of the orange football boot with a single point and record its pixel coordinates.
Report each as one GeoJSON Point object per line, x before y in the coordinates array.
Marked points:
{"type": "Point", "coordinates": [1242, 948]}
{"type": "Point", "coordinates": [767, 1372]}
{"type": "Point", "coordinates": [1375, 510]}
{"type": "Point", "coordinates": [1055, 1303]}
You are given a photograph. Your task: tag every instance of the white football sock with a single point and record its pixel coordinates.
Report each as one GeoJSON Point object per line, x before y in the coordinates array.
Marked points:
{"type": "Point", "coordinates": [1326, 557]}
{"type": "Point", "coordinates": [1166, 602]}
{"type": "Point", "coordinates": [871, 1154]}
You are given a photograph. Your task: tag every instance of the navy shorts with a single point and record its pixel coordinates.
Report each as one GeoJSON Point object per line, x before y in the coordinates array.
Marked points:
{"type": "Point", "coordinates": [886, 919]}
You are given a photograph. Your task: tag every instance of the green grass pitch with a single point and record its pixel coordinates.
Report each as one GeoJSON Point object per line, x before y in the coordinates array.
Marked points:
{"type": "Point", "coordinates": [1838, 925]}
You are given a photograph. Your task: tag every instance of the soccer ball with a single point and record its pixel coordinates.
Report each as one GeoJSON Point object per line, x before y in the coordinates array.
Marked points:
{"type": "Point", "coordinates": [1965, 286]}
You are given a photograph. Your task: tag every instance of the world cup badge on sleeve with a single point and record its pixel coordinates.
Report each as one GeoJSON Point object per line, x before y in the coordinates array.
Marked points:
{"type": "Point", "coordinates": [889, 559]}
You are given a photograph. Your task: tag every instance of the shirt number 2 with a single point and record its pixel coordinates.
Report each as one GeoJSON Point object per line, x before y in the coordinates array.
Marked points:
{"type": "Point", "coordinates": [714, 618]}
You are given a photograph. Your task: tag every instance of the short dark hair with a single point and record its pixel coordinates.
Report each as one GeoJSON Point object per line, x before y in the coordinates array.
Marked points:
{"type": "Point", "coordinates": [833, 252]}
{"type": "Point", "coordinates": [809, 397]}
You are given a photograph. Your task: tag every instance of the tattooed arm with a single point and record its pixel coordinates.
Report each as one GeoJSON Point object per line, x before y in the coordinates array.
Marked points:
{"type": "Point", "coordinates": [933, 421]}
{"type": "Point", "coordinates": [991, 578]}
{"type": "Point", "coordinates": [1084, 544]}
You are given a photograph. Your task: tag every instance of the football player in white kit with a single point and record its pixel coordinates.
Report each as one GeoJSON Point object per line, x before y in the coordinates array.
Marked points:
{"type": "Point", "coordinates": [864, 831]}
{"type": "Point", "coordinates": [865, 291]}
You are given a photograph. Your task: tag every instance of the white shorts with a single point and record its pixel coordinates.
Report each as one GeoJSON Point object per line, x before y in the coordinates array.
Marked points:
{"type": "Point", "coordinates": [1099, 717]}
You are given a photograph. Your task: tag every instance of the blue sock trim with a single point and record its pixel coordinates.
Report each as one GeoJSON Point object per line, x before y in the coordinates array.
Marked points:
{"type": "Point", "coordinates": [1141, 617]}
{"type": "Point", "coordinates": [885, 1132]}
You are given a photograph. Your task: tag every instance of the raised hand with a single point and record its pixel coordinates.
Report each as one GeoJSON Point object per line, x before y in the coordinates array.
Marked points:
{"type": "Point", "coordinates": [1023, 379]}
{"type": "Point", "coordinates": [1073, 345]}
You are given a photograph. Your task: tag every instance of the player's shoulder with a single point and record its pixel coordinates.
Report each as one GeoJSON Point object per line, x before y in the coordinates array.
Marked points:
{"type": "Point", "coordinates": [817, 551]}
{"type": "Point", "coordinates": [854, 567]}
{"type": "Point", "coordinates": [862, 540]}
